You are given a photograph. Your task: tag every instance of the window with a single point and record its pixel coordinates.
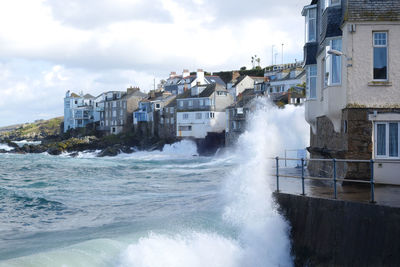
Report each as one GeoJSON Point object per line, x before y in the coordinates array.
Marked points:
{"type": "Point", "coordinates": [158, 106]}
{"type": "Point", "coordinates": [380, 56]}
{"type": "Point", "coordinates": [114, 113]}
{"type": "Point", "coordinates": [333, 64]}
{"type": "Point", "coordinates": [311, 25]}
{"type": "Point", "coordinates": [329, 3]}
{"type": "Point", "coordinates": [172, 120]}
{"type": "Point", "coordinates": [387, 139]}
{"type": "Point", "coordinates": [185, 128]}
{"type": "Point", "coordinates": [208, 102]}
{"type": "Point", "coordinates": [212, 115]}
{"type": "Point", "coordinates": [185, 116]}
{"type": "Point", "coordinates": [221, 93]}
{"type": "Point", "coordinates": [114, 104]}
{"type": "Point", "coordinates": [311, 89]}
{"type": "Point", "coordinates": [162, 120]}
{"type": "Point", "coordinates": [190, 104]}
{"type": "Point", "coordinates": [198, 116]}
{"type": "Point", "coordinates": [181, 104]}
{"type": "Point", "coordinates": [201, 102]}
{"type": "Point", "coordinates": [171, 109]}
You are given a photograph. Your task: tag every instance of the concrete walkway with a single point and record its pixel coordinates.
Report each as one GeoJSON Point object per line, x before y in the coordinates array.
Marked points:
{"type": "Point", "coordinates": [384, 194]}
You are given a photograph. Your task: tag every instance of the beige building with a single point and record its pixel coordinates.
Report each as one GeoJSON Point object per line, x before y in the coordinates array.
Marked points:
{"type": "Point", "coordinates": [116, 109]}
{"type": "Point", "coordinates": [353, 80]}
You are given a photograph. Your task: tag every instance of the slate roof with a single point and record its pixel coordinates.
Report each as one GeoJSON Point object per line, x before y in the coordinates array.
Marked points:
{"type": "Point", "coordinates": [207, 92]}
{"type": "Point", "coordinates": [373, 10]}
{"type": "Point", "coordinates": [215, 79]}
{"type": "Point", "coordinates": [241, 78]}
{"type": "Point", "coordinates": [88, 96]}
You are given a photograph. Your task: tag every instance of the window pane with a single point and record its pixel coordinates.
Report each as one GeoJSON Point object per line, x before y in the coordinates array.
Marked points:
{"type": "Point", "coordinates": [380, 63]}
{"type": "Point", "coordinates": [381, 140]}
{"type": "Point", "coordinates": [313, 87]}
{"type": "Point", "coordinates": [393, 139]}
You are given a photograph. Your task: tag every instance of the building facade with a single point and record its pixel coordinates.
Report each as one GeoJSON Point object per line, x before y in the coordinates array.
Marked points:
{"type": "Point", "coordinates": [78, 110]}
{"type": "Point", "coordinates": [201, 110]}
{"type": "Point", "coordinates": [353, 97]}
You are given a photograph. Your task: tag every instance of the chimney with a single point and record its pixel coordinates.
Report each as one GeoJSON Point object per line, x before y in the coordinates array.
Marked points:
{"type": "Point", "coordinates": [132, 90]}
{"type": "Point", "coordinates": [200, 76]}
{"type": "Point", "coordinates": [185, 73]}
{"type": "Point", "coordinates": [235, 75]}
{"type": "Point", "coordinates": [173, 74]}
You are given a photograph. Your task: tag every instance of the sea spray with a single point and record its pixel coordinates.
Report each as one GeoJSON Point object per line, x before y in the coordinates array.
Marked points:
{"type": "Point", "coordinates": [262, 238]}
{"type": "Point", "coordinates": [5, 147]}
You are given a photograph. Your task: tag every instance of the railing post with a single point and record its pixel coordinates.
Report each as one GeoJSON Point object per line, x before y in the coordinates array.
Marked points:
{"type": "Point", "coordinates": [334, 179]}
{"type": "Point", "coordinates": [372, 182]}
{"type": "Point", "coordinates": [302, 176]}
{"type": "Point", "coordinates": [277, 174]}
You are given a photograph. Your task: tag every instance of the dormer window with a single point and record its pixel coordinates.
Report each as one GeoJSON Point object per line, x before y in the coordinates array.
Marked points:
{"type": "Point", "coordinates": [329, 3]}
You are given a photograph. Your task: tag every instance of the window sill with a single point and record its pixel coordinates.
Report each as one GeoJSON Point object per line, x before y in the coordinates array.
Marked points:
{"type": "Point", "coordinates": [379, 83]}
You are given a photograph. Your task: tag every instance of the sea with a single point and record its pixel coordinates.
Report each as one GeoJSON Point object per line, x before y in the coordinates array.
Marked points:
{"type": "Point", "coordinates": [169, 208]}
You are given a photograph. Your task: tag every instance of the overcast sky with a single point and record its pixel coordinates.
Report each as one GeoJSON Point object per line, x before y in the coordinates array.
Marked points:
{"type": "Point", "coordinates": [50, 46]}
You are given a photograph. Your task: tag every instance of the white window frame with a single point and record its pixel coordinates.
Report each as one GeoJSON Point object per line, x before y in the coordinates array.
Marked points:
{"type": "Point", "coordinates": [387, 54]}
{"type": "Point", "coordinates": [199, 116]}
{"type": "Point", "coordinates": [190, 103]}
{"type": "Point", "coordinates": [185, 116]}
{"type": "Point", "coordinates": [308, 83]}
{"type": "Point", "coordinates": [308, 21]}
{"type": "Point", "coordinates": [328, 65]}
{"type": "Point", "coordinates": [386, 156]}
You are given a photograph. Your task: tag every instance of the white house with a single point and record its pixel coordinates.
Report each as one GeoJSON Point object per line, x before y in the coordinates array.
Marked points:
{"type": "Point", "coordinates": [201, 110]}
{"type": "Point", "coordinates": [78, 110]}
{"type": "Point", "coordinates": [353, 98]}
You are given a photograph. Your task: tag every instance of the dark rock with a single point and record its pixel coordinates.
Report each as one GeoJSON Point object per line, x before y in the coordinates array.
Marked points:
{"type": "Point", "coordinates": [109, 152]}
{"type": "Point", "coordinates": [55, 151]}
{"type": "Point", "coordinates": [74, 155]}
{"type": "Point", "coordinates": [2, 151]}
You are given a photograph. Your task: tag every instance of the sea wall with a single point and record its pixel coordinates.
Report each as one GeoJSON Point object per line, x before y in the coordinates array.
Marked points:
{"type": "Point", "coordinates": [340, 233]}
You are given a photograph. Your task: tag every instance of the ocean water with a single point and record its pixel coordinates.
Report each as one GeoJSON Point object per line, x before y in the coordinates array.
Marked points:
{"type": "Point", "coordinates": [167, 208]}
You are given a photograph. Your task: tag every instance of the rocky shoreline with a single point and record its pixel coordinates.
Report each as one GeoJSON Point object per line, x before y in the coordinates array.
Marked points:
{"type": "Point", "coordinates": [108, 146]}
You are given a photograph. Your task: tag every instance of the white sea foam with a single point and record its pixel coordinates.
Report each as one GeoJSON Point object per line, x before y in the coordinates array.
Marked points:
{"type": "Point", "coordinates": [5, 147]}
{"type": "Point", "coordinates": [262, 232]}
{"type": "Point", "coordinates": [179, 150]}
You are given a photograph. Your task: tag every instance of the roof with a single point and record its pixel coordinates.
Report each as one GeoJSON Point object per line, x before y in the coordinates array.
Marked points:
{"type": "Point", "coordinates": [208, 91]}
{"type": "Point", "coordinates": [74, 95]}
{"type": "Point", "coordinates": [215, 79]}
{"type": "Point", "coordinates": [382, 10]}
{"type": "Point", "coordinates": [87, 96]}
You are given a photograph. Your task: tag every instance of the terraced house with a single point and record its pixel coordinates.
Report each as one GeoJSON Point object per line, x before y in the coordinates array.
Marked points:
{"type": "Point", "coordinates": [353, 85]}
{"type": "Point", "coordinates": [201, 110]}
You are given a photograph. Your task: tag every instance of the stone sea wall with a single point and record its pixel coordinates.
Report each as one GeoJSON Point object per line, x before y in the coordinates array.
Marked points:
{"type": "Point", "coordinates": [339, 233]}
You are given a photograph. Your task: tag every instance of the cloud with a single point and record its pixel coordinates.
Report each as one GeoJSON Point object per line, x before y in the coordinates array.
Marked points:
{"type": "Point", "coordinates": [91, 14]}
{"type": "Point", "coordinates": [50, 46]}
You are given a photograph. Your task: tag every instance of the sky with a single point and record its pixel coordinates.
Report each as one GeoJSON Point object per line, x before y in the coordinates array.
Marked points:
{"type": "Point", "coordinates": [50, 46]}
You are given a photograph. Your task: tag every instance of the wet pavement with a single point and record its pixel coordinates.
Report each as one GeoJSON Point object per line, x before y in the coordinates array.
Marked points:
{"type": "Point", "coordinates": [384, 194]}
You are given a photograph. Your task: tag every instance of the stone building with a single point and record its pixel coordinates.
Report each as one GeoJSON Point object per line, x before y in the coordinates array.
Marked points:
{"type": "Point", "coordinates": [353, 98]}
{"type": "Point", "coordinates": [167, 126]}
{"type": "Point", "coordinates": [116, 109]}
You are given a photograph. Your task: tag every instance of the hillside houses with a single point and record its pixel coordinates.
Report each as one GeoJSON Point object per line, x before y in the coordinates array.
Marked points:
{"type": "Point", "coordinates": [191, 105]}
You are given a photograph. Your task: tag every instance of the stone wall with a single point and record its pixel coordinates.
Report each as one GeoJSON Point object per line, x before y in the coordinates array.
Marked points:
{"type": "Point", "coordinates": [354, 141]}
{"type": "Point", "coordinates": [338, 233]}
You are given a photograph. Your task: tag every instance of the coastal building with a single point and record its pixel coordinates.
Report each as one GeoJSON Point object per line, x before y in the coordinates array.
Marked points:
{"type": "Point", "coordinates": [177, 84]}
{"type": "Point", "coordinates": [148, 118]}
{"type": "Point", "coordinates": [242, 83]}
{"type": "Point", "coordinates": [201, 110]}
{"type": "Point", "coordinates": [78, 110]}
{"type": "Point", "coordinates": [236, 116]}
{"type": "Point", "coordinates": [353, 100]}
{"type": "Point", "coordinates": [116, 109]}
{"type": "Point", "coordinates": [282, 80]}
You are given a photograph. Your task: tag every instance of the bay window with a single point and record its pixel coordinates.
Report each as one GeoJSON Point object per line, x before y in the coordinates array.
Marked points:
{"type": "Point", "coordinates": [333, 63]}
{"type": "Point", "coordinates": [387, 139]}
{"type": "Point", "coordinates": [380, 56]}
{"type": "Point", "coordinates": [311, 88]}
{"type": "Point", "coordinates": [311, 25]}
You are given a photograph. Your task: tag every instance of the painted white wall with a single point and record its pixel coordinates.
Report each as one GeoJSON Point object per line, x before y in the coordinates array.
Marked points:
{"type": "Point", "coordinates": [200, 127]}
{"type": "Point", "coordinates": [357, 88]}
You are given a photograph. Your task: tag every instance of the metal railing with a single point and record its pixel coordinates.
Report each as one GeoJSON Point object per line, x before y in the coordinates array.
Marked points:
{"type": "Point", "coordinates": [334, 177]}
